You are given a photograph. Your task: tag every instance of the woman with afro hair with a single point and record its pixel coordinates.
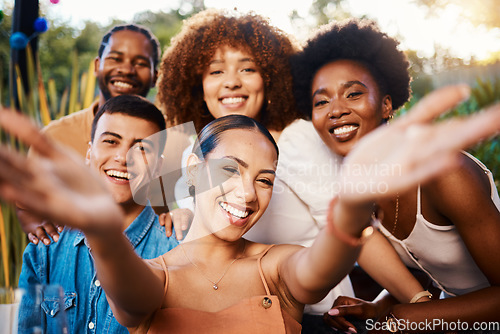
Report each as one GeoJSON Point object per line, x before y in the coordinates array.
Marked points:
{"type": "Point", "coordinates": [349, 79]}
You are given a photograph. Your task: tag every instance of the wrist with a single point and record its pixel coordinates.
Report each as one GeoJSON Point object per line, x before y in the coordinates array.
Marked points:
{"type": "Point", "coordinates": [422, 296]}
{"type": "Point", "coordinates": [350, 224]}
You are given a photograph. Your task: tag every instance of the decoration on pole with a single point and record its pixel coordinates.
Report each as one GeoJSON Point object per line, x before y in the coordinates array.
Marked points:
{"type": "Point", "coordinates": [19, 40]}
{"type": "Point", "coordinates": [41, 25]}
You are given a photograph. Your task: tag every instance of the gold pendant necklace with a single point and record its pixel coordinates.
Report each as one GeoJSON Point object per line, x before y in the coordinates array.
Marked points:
{"type": "Point", "coordinates": [396, 215]}
{"type": "Point", "coordinates": [215, 284]}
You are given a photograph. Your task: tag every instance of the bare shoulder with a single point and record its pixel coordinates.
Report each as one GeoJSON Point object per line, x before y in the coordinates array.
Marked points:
{"type": "Point", "coordinates": [463, 195]}
{"type": "Point", "coordinates": [271, 252]}
{"type": "Point", "coordinates": [468, 178]}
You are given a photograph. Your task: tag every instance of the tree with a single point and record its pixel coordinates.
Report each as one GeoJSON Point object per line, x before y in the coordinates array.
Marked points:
{"type": "Point", "coordinates": [486, 12]}
{"type": "Point", "coordinates": [163, 25]}
{"type": "Point", "coordinates": [55, 49]}
{"type": "Point", "coordinates": [327, 10]}
{"type": "Point", "coordinates": [5, 25]}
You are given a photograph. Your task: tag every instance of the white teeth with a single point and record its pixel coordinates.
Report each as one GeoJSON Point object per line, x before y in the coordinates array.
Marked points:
{"type": "Point", "coordinates": [118, 174]}
{"type": "Point", "coordinates": [233, 211]}
{"type": "Point", "coordinates": [121, 84]}
{"type": "Point", "coordinates": [232, 100]}
{"type": "Point", "coordinates": [344, 129]}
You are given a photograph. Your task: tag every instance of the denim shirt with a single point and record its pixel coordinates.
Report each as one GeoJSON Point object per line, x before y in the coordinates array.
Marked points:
{"type": "Point", "coordinates": [68, 262]}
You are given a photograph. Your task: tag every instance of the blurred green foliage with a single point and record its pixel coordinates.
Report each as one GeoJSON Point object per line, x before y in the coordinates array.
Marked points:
{"type": "Point", "coordinates": [483, 94]}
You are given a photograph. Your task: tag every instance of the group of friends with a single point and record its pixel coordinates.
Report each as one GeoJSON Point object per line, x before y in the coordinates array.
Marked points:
{"type": "Point", "coordinates": [297, 173]}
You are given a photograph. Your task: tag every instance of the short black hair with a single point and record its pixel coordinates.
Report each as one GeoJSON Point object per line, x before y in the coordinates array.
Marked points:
{"type": "Point", "coordinates": [134, 106]}
{"type": "Point", "coordinates": [155, 44]}
{"type": "Point", "coordinates": [353, 39]}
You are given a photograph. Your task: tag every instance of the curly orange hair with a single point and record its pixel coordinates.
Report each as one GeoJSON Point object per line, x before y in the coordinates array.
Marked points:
{"type": "Point", "coordinates": [180, 90]}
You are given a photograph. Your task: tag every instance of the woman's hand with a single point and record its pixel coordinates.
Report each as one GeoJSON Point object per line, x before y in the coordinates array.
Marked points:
{"type": "Point", "coordinates": [179, 218]}
{"type": "Point", "coordinates": [351, 307]}
{"type": "Point", "coordinates": [55, 184]}
{"type": "Point", "coordinates": [412, 149]}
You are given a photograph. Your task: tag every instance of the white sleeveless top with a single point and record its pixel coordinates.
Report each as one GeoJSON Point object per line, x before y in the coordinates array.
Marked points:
{"type": "Point", "coordinates": [440, 252]}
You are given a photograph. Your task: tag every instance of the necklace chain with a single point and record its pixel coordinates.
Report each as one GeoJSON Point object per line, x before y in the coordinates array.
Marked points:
{"type": "Point", "coordinates": [396, 215]}
{"type": "Point", "coordinates": [215, 284]}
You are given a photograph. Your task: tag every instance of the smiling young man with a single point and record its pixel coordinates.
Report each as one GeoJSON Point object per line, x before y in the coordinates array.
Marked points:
{"type": "Point", "coordinates": [127, 139]}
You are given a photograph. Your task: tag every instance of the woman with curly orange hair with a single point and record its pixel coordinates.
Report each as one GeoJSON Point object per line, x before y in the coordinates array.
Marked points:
{"type": "Point", "coordinates": [200, 52]}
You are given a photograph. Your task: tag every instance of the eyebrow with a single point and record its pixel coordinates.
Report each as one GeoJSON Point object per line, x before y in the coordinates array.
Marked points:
{"type": "Point", "coordinates": [245, 165]}
{"type": "Point", "coordinates": [344, 85]}
{"type": "Point", "coordinates": [121, 54]}
{"type": "Point", "coordinates": [241, 60]}
{"type": "Point", "coordinates": [147, 141]}
{"type": "Point", "coordinates": [109, 133]}
{"type": "Point", "coordinates": [139, 140]}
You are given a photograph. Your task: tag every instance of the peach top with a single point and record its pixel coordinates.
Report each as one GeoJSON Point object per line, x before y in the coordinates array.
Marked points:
{"type": "Point", "coordinates": [258, 314]}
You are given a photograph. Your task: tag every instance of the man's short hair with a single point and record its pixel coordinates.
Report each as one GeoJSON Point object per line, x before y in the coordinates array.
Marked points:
{"type": "Point", "coordinates": [134, 106]}
{"type": "Point", "coordinates": [155, 44]}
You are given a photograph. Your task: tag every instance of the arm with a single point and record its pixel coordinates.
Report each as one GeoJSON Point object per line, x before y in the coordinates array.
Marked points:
{"type": "Point", "coordinates": [37, 229]}
{"type": "Point", "coordinates": [379, 259]}
{"type": "Point", "coordinates": [57, 185]}
{"type": "Point", "coordinates": [399, 145]}
{"type": "Point", "coordinates": [463, 197]}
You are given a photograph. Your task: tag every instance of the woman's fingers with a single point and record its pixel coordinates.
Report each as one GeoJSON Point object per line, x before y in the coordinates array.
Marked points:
{"type": "Point", "coordinates": [337, 322]}
{"type": "Point", "coordinates": [393, 158]}
{"type": "Point", "coordinates": [434, 104]}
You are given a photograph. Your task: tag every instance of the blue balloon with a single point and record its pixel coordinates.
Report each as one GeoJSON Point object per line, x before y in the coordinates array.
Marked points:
{"type": "Point", "coordinates": [41, 25]}
{"type": "Point", "coordinates": [18, 40]}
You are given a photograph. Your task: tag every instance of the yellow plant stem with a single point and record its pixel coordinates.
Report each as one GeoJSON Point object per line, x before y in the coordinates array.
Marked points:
{"type": "Point", "coordinates": [3, 242]}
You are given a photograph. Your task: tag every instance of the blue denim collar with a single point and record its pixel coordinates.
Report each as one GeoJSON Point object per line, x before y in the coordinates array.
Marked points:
{"type": "Point", "coordinates": [135, 232]}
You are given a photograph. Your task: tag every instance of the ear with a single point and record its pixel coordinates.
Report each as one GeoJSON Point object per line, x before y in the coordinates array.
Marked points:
{"type": "Point", "coordinates": [387, 111]}
{"type": "Point", "coordinates": [89, 151]}
{"type": "Point", "coordinates": [159, 163]}
{"type": "Point", "coordinates": [97, 63]}
{"type": "Point", "coordinates": [154, 78]}
{"type": "Point", "coordinates": [193, 163]}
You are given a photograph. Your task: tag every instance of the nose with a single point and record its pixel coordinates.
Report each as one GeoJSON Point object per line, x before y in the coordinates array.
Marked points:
{"type": "Point", "coordinates": [126, 67]}
{"type": "Point", "coordinates": [121, 156]}
{"type": "Point", "coordinates": [337, 108]}
{"type": "Point", "coordinates": [232, 80]}
{"type": "Point", "coordinates": [246, 191]}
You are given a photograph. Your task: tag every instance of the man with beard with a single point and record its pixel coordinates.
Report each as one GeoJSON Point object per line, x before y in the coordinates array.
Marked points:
{"type": "Point", "coordinates": [125, 65]}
